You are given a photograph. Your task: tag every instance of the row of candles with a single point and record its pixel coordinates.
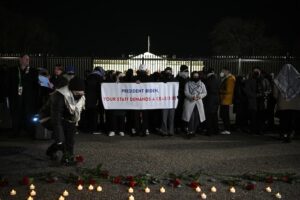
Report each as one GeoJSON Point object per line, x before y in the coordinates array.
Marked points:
{"type": "Point", "coordinates": [131, 191]}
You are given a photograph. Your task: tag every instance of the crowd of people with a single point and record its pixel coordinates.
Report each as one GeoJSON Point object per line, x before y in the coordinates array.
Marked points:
{"type": "Point", "coordinates": [67, 104]}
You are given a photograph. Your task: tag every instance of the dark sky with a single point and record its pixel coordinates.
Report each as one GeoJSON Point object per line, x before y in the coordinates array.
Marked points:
{"type": "Point", "coordinates": [114, 28]}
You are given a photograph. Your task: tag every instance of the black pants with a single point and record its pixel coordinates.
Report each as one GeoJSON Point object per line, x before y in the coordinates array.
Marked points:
{"type": "Point", "coordinates": [92, 119]}
{"type": "Point", "coordinates": [117, 122]}
{"type": "Point", "coordinates": [129, 120]}
{"type": "Point", "coordinates": [141, 122]}
{"type": "Point", "coordinates": [194, 121]}
{"type": "Point", "coordinates": [289, 121]}
{"type": "Point", "coordinates": [224, 114]}
{"type": "Point", "coordinates": [212, 123]}
{"type": "Point", "coordinates": [102, 122]}
{"type": "Point", "coordinates": [21, 115]}
{"type": "Point", "coordinates": [241, 117]}
{"type": "Point", "coordinates": [257, 121]}
{"type": "Point", "coordinates": [67, 140]}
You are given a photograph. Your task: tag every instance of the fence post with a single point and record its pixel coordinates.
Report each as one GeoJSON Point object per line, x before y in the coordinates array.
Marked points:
{"type": "Point", "coordinates": [240, 66]}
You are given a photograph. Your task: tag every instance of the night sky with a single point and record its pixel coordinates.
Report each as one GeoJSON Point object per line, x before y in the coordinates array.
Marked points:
{"type": "Point", "coordinates": [113, 29]}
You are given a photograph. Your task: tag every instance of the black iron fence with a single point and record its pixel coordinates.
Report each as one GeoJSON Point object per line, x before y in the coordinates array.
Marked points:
{"type": "Point", "coordinates": [237, 65]}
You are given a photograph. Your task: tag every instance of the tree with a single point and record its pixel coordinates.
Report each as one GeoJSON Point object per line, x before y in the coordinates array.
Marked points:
{"type": "Point", "coordinates": [234, 36]}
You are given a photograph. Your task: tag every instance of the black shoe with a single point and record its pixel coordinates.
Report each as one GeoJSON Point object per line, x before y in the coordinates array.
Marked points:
{"type": "Point", "coordinates": [68, 161]}
{"type": "Point", "coordinates": [286, 139]}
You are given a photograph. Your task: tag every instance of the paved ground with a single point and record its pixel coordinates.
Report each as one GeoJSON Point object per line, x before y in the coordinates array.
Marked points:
{"type": "Point", "coordinates": [230, 154]}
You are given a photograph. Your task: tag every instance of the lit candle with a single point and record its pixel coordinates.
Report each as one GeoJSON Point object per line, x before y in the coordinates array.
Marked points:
{"type": "Point", "coordinates": [29, 198]}
{"type": "Point", "coordinates": [99, 188]}
{"type": "Point", "coordinates": [232, 190]}
{"type": "Point", "coordinates": [13, 192]}
{"type": "Point", "coordinates": [198, 189]}
{"type": "Point", "coordinates": [268, 189]}
{"type": "Point", "coordinates": [131, 197]}
{"type": "Point", "coordinates": [32, 193]}
{"type": "Point", "coordinates": [203, 196]}
{"type": "Point", "coordinates": [162, 190]}
{"type": "Point", "coordinates": [65, 193]}
{"type": "Point", "coordinates": [91, 187]}
{"type": "Point", "coordinates": [32, 187]}
{"type": "Point", "coordinates": [278, 195]}
{"type": "Point", "coordinates": [147, 190]}
{"type": "Point", "coordinates": [213, 189]}
{"type": "Point", "coordinates": [80, 187]}
{"type": "Point", "coordinates": [61, 198]}
{"type": "Point", "coordinates": [130, 190]}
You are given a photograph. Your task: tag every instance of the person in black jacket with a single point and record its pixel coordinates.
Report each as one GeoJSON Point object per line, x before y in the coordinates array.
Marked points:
{"type": "Point", "coordinates": [65, 107]}
{"type": "Point", "coordinates": [23, 84]}
{"type": "Point", "coordinates": [57, 74]}
{"type": "Point", "coordinates": [211, 101]}
{"type": "Point", "coordinates": [141, 117]}
{"type": "Point", "coordinates": [240, 102]}
{"type": "Point", "coordinates": [257, 89]}
{"type": "Point", "coordinates": [129, 78]}
{"type": "Point", "coordinates": [182, 78]}
{"type": "Point", "coordinates": [93, 99]}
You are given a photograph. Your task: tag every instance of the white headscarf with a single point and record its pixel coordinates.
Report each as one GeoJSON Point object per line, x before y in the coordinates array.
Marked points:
{"type": "Point", "coordinates": [288, 82]}
{"type": "Point", "coordinates": [74, 107]}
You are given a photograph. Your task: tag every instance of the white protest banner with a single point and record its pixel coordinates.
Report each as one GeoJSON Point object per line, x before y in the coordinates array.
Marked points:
{"type": "Point", "coordinates": [142, 96]}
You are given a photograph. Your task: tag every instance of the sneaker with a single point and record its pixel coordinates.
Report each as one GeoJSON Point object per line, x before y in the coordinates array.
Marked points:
{"type": "Point", "coordinates": [225, 132]}
{"type": "Point", "coordinates": [121, 134]}
{"type": "Point", "coordinates": [111, 134]}
{"type": "Point", "coordinates": [147, 132]}
{"type": "Point", "coordinates": [96, 133]}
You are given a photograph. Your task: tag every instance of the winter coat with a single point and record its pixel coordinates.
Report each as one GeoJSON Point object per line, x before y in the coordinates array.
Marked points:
{"type": "Point", "coordinates": [93, 91]}
{"type": "Point", "coordinates": [227, 90]}
{"type": "Point", "coordinates": [189, 103]}
{"type": "Point", "coordinates": [30, 83]}
{"type": "Point", "coordinates": [283, 104]}
{"type": "Point", "coordinates": [212, 100]}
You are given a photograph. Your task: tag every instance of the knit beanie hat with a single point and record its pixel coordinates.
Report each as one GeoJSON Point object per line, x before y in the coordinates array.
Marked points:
{"type": "Point", "coordinates": [184, 68]}
{"type": "Point", "coordinates": [76, 84]}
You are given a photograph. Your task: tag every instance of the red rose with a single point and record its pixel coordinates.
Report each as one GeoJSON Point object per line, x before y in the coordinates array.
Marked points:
{"type": "Point", "coordinates": [269, 179]}
{"type": "Point", "coordinates": [92, 182]}
{"type": "Point", "coordinates": [130, 178]}
{"type": "Point", "coordinates": [250, 187]}
{"type": "Point", "coordinates": [80, 182]}
{"type": "Point", "coordinates": [104, 174]}
{"type": "Point", "coordinates": [176, 182]}
{"type": "Point", "coordinates": [3, 183]}
{"type": "Point", "coordinates": [194, 184]}
{"type": "Point", "coordinates": [50, 180]}
{"type": "Point", "coordinates": [79, 159]}
{"type": "Point", "coordinates": [285, 179]}
{"type": "Point", "coordinates": [26, 180]}
{"type": "Point", "coordinates": [132, 184]}
{"type": "Point", "coordinates": [117, 180]}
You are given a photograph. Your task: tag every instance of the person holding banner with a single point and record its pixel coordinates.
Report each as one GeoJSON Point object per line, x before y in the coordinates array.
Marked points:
{"type": "Point", "coordinates": [116, 117]}
{"type": "Point", "coordinates": [141, 123]}
{"type": "Point", "coordinates": [193, 109]}
{"type": "Point", "coordinates": [167, 124]}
